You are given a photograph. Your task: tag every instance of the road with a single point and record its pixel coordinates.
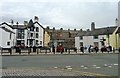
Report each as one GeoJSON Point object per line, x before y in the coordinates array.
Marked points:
{"type": "Point", "coordinates": [104, 64]}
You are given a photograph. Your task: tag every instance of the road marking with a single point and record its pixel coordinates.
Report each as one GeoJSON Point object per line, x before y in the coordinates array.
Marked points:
{"type": "Point", "coordinates": [110, 66]}
{"type": "Point", "coordinates": [55, 67]}
{"type": "Point", "coordinates": [85, 67]}
{"type": "Point", "coordinates": [68, 66]}
{"type": "Point", "coordinates": [105, 65]}
{"type": "Point", "coordinates": [82, 65]}
{"type": "Point", "coordinates": [98, 67]}
{"type": "Point", "coordinates": [115, 64]}
{"type": "Point", "coordinates": [94, 65]}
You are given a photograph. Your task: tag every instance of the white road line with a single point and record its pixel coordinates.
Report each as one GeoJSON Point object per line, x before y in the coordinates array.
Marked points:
{"type": "Point", "coordinates": [68, 66]}
{"type": "Point", "coordinates": [94, 65]}
{"type": "Point", "coordinates": [110, 66]}
{"type": "Point", "coordinates": [115, 64]}
{"type": "Point", "coordinates": [85, 67]}
{"type": "Point", "coordinates": [105, 65]}
{"type": "Point", "coordinates": [55, 67]}
{"type": "Point", "coordinates": [82, 65]}
{"type": "Point", "coordinates": [98, 67]}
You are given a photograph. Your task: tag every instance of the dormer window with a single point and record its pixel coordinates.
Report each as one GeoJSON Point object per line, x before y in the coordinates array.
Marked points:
{"type": "Point", "coordinates": [96, 37]}
{"type": "Point", "coordinates": [81, 37]}
{"type": "Point", "coordinates": [32, 28]}
{"type": "Point", "coordinates": [37, 29]}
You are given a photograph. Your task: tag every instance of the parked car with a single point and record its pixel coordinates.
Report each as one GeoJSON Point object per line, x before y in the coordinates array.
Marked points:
{"type": "Point", "coordinates": [60, 48]}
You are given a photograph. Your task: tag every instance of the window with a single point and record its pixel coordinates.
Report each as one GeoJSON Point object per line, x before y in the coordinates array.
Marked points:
{"type": "Point", "coordinates": [96, 44]}
{"type": "Point", "coordinates": [37, 35]}
{"type": "Point", "coordinates": [10, 35]}
{"type": "Point", "coordinates": [40, 42]}
{"type": "Point", "coordinates": [8, 43]}
{"type": "Point", "coordinates": [31, 34]}
{"type": "Point", "coordinates": [96, 37]}
{"type": "Point", "coordinates": [32, 28]}
{"type": "Point", "coordinates": [20, 34]}
{"type": "Point", "coordinates": [37, 29]}
{"type": "Point", "coordinates": [81, 43]}
{"type": "Point", "coordinates": [81, 37]}
{"type": "Point", "coordinates": [36, 42]}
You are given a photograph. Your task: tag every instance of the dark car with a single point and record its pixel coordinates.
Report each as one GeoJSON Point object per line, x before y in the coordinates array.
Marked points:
{"type": "Point", "coordinates": [60, 48]}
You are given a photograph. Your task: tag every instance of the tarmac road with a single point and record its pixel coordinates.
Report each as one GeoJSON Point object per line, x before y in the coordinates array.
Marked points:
{"type": "Point", "coordinates": [103, 64]}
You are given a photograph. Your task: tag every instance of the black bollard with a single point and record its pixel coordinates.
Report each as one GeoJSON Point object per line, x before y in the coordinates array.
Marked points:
{"type": "Point", "coordinates": [119, 50]}
{"type": "Point", "coordinates": [113, 50]}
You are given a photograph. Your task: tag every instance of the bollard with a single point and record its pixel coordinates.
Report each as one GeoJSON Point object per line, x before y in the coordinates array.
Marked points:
{"type": "Point", "coordinates": [10, 51]}
{"type": "Point", "coordinates": [119, 50]}
{"type": "Point", "coordinates": [69, 51]}
{"type": "Point", "coordinates": [113, 50]}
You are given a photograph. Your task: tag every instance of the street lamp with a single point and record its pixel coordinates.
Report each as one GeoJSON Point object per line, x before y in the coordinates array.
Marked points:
{"type": "Point", "coordinates": [108, 36]}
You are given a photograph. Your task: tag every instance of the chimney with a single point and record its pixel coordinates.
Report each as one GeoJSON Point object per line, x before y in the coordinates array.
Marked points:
{"type": "Point", "coordinates": [61, 28]}
{"type": "Point", "coordinates": [68, 29]}
{"type": "Point", "coordinates": [47, 27]}
{"type": "Point", "coordinates": [53, 28]}
{"type": "Point", "coordinates": [25, 23]}
{"type": "Point", "coordinates": [88, 30]}
{"type": "Point", "coordinates": [81, 30]}
{"type": "Point", "coordinates": [92, 26]}
{"type": "Point", "coordinates": [36, 19]}
{"type": "Point", "coordinates": [12, 22]}
{"type": "Point", "coordinates": [116, 22]}
{"type": "Point", "coordinates": [74, 29]}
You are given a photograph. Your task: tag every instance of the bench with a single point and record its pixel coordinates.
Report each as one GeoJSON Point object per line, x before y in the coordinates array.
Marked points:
{"type": "Point", "coordinates": [70, 49]}
{"type": "Point", "coordinates": [6, 50]}
{"type": "Point", "coordinates": [23, 50]}
{"type": "Point", "coordinates": [43, 49]}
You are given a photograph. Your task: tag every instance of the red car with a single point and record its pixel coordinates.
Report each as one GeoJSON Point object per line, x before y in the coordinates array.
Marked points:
{"type": "Point", "coordinates": [60, 48]}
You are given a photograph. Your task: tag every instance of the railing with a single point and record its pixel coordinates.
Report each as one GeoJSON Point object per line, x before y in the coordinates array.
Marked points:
{"type": "Point", "coordinates": [40, 50]}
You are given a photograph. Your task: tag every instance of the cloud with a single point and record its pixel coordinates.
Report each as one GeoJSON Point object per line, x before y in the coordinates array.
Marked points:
{"type": "Point", "coordinates": [66, 14]}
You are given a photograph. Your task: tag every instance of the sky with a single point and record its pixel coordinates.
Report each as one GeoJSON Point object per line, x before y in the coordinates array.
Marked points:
{"type": "Point", "coordinates": [66, 14]}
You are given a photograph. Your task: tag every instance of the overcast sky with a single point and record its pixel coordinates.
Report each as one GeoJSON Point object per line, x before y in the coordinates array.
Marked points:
{"type": "Point", "coordinates": [61, 13]}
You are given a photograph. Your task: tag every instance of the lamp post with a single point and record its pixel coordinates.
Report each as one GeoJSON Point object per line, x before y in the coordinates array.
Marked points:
{"type": "Point", "coordinates": [108, 36]}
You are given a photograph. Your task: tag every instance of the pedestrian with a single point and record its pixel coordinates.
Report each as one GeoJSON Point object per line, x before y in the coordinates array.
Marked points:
{"type": "Point", "coordinates": [89, 49]}
{"type": "Point", "coordinates": [110, 47]}
{"type": "Point", "coordinates": [119, 50]}
{"type": "Point", "coordinates": [113, 50]}
{"type": "Point", "coordinates": [96, 49]}
{"type": "Point", "coordinates": [53, 49]}
{"type": "Point", "coordinates": [82, 49]}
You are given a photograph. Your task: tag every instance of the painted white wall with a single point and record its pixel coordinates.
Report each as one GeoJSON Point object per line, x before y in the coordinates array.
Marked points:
{"type": "Point", "coordinates": [77, 42]}
{"type": "Point", "coordinates": [5, 37]}
{"type": "Point", "coordinates": [25, 38]}
{"type": "Point", "coordinates": [41, 34]}
{"type": "Point", "coordinates": [87, 41]}
{"type": "Point", "coordinates": [0, 37]}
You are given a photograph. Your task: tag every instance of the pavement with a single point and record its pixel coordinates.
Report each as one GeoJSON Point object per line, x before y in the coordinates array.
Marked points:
{"type": "Point", "coordinates": [49, 53]}
{"type": "Point", "coordinates": [94, 64]}
{"type": "Point", "coordinates": [44, 72]}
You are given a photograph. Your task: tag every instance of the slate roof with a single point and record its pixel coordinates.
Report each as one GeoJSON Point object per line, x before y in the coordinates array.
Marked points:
{"type": "Point", "coordinates": [6, 24]}
{"type": "Point", "coordinates": [98, 31]}
{"type": "Point", "coordinates": [7, 30]}
{"type": "Point", "coordinates": [22, 26]}
{"type": "Point", "coordinates": [118, 31]}
{"type": "Point", "coordinates": [19, 27]}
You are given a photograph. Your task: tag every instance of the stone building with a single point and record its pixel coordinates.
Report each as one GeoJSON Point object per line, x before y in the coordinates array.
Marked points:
{"type": "Point", "coordinates": [61, 36]}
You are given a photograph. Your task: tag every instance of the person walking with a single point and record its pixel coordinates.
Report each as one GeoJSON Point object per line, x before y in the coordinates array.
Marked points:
{"type": "Point", "coordinates": [96, 49]}
{"type": "Point", "coordinates": [89, 49]}
{"type": "Point", "coordinates": [53, 49]}
{"type": "Point", "coordinates": [82, 49]}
